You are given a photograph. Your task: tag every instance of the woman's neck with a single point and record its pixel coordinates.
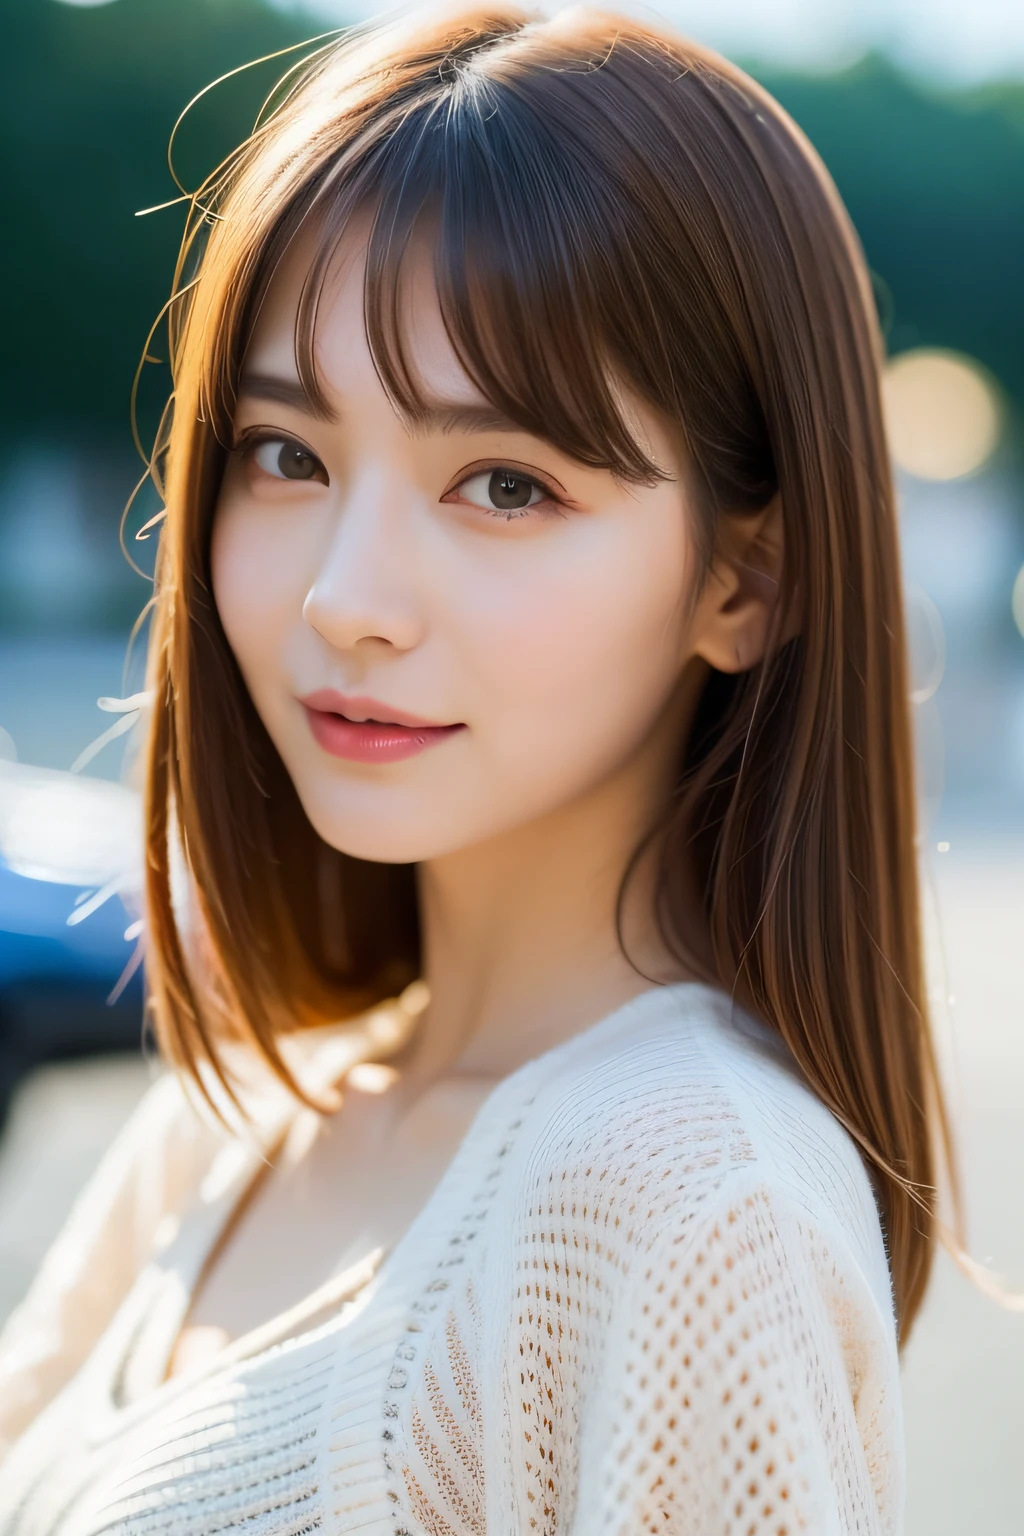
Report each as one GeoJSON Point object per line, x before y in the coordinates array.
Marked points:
{"type": "Point", "coordinates": [520, 945]}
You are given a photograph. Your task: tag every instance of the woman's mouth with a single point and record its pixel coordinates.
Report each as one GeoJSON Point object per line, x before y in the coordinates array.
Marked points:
{"type": "Point", "coordinates": [373, 736]}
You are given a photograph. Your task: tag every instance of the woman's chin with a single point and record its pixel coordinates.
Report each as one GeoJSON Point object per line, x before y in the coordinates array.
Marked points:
{"type": "Point", "coordinates": [385, 842]}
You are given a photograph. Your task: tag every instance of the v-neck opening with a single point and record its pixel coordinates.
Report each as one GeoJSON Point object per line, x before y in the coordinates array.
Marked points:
{"type": "Point", "coordinates": [286, 1326]}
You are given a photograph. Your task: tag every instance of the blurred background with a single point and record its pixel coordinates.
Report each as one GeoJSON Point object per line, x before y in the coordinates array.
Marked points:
{"type": "Point", "coordinates": [918, 111]}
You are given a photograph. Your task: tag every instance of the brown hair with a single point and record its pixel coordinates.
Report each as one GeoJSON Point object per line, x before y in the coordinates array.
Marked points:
{"type": "Point", "coordinates": [605, 200]}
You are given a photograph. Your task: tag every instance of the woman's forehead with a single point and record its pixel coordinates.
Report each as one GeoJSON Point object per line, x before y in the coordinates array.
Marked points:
{"type": "Point", "coordinates": [340, 349]}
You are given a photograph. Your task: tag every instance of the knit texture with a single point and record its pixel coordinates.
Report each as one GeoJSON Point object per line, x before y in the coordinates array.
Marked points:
{"type": "Point", "coordinates": [649, 1294]}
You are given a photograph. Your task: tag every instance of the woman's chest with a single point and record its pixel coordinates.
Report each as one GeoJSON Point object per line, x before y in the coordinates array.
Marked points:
{"type": "Point", "coordinates": [317, 1431]}
{"type": "Point", "coordinates": [300, 1436]}
{"type": "Point", "coordinates": [290, 1441]}
{"type": "Point", "coordinates": [338, 1190]}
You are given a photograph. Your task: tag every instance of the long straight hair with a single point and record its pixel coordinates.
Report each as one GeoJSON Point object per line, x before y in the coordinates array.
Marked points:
{"type": "Point", "coordinates": [605, 201]}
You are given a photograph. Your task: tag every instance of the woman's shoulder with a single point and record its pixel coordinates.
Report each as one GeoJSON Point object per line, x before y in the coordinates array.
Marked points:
{"type": "Point", "coordinates": [697, 1234]}
{"type": "Point", "coordinates": [146, 1174]}
{"type": "Point", "coordinates": [691, 1100]}
{"type": "Point", "coordinates": [148, 1168]}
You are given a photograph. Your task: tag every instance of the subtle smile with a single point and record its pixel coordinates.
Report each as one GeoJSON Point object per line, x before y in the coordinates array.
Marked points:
{"type": "Point", "coordinates": [367, 731]}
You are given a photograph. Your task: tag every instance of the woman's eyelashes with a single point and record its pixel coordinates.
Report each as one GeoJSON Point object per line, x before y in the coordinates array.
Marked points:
{"type": "Point", "coordinates": [506, 493]}
{"type": "Point", "coordinates": [284, 458]}
{"type": "Point", "coordinates": [498, 489]}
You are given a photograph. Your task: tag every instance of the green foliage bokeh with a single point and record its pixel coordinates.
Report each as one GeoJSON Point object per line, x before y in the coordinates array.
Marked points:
{"type": "Point", "coordinates": [85, 118]}
{"type": "Point", "coordinates": [933, 180]}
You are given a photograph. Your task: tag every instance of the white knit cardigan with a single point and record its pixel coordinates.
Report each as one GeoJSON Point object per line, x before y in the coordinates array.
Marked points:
{"type": "Point", "coordinates": [649, 1294]}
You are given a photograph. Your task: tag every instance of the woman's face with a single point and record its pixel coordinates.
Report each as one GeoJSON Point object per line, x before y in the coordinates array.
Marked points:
{"type": "Point", "coordinates": [460, 572]}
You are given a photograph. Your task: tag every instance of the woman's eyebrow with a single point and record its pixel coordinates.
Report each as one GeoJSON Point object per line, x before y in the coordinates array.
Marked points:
{"type": "Point", "coordinates": [443, 416]}
{"type": "Point", "coordinates": [454, 416]}
{"type": "Point", "coordinates": [283, 391]}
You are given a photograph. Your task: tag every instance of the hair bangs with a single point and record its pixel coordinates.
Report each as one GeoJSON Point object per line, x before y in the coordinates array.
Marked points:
{"type": "Point", "coordinates": [473, 179]}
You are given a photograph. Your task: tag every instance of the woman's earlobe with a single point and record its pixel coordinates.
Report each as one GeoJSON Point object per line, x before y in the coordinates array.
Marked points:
{"type": "Point", "coordinates": [741, 596]}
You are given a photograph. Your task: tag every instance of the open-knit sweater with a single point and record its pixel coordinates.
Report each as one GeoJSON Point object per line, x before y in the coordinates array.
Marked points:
{"type": "Point", "coordinates": [650, 1293]}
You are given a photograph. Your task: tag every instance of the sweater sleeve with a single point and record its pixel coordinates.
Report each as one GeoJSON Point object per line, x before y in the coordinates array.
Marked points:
{"type": "Point", "coordinates": [143, 1177]}
{"type": "Point", "coordinates": [752, 1385]}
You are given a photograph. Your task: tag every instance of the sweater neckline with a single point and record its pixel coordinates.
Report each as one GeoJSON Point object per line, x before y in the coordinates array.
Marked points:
{"type": "Point", "coordinates": [300, 1321]}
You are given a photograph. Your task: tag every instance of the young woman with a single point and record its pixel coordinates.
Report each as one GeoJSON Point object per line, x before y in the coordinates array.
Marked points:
{"type": "Point", "coordinates": [531, 837]}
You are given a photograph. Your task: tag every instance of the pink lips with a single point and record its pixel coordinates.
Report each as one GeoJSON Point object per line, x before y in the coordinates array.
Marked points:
{"type": "Point", "coordinates": [381, 735]}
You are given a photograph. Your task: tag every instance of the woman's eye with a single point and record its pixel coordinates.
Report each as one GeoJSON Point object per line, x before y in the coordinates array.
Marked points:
{"type": "Point", "coordinates": [285, 459]}
{"type": "Point", "coordinates": [503, 492]}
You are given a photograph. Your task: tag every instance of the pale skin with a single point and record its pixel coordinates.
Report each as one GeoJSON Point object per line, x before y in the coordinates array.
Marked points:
{"type": "Point", "coordinates": [558, 637]}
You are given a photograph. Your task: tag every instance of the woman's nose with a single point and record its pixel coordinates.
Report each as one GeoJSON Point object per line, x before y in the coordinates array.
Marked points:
{"type": "Point", "coordinates": [365, 587]}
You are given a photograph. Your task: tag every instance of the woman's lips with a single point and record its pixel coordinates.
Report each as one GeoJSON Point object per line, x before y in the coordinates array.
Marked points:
{"type": "Point", "coordinates": [374, 737]}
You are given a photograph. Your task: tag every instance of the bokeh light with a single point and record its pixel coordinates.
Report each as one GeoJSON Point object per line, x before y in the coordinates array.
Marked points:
{"type": "Point", "coordinates": [926, 640]}
{"type": "Point", "coordinates": [943, 413]}
{"type": "Point", "coordinates": [68, 829]}
{"type": "Point", "coordinates": [1017, 600]}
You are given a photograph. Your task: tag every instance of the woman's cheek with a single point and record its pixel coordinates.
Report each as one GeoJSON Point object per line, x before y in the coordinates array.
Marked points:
{"type": "Point", "coordinates": [576, 668]}
{"type": "Point", "coordinates": [238, 573]}
{"type": "Point", "coordinates": [256, 567]}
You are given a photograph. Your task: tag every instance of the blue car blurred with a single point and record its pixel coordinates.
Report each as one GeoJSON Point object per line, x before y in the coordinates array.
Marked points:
{"type": "Point", "coordinates": [70, 945]}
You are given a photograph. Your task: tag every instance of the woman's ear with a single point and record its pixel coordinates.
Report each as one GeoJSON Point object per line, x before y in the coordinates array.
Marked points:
{"type": "Point", "coordinates": [735, 611]}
